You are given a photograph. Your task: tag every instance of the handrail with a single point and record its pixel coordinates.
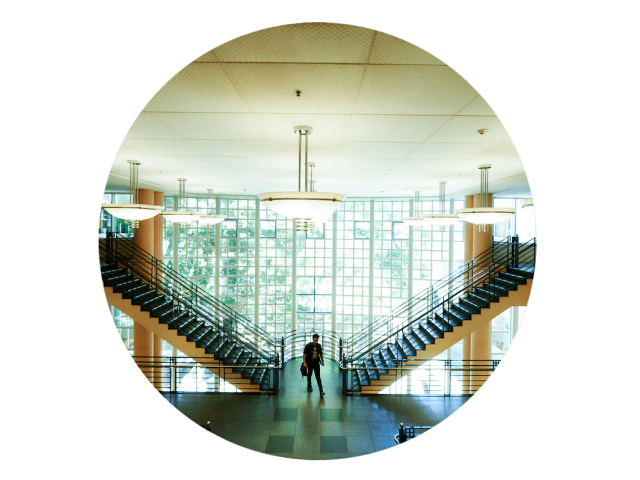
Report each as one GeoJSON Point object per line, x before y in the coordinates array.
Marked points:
{"type": "Point", "coordinates": [188, 285]}
{"type": "Point", "coordinates": [476, 272]}
{"type": "Point", "coordinates": [255, 339]}
{"type": "Point", "coordinates": [404, 307]}
{"type": "Point", "coordinates": [164, 280]}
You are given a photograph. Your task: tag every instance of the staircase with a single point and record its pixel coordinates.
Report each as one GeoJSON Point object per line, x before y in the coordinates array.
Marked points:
{"type": "Point", "coordinates": [441, 316]}
{"type": "Point", "coordinates": [188, 318]}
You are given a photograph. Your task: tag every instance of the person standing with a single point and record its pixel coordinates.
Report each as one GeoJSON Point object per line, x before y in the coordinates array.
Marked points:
{"type": "Point", "coordinates": [312, 359]}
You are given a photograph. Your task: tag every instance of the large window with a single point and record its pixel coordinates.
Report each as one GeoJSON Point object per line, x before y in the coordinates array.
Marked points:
{"type": "Point", "coordinates": [275, 272]}
{"type": "Point", "coordinates": [356, 267]}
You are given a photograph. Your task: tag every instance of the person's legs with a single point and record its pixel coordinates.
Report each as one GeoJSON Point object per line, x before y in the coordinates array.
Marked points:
{"type": "Point", "coordinates": [316, 371]}
{"type": "Point", "coordinates": [309, 389]}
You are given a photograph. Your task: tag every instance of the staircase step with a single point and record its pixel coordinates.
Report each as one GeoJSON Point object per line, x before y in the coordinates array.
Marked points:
{"type": "Point", "coordinates": [520, 280]}
{"type": "Point", "coordinates": [520, 272]}
{"type": "Point", "coordinates": [165, 309]}
{"type": "Point", "coordinates": [136, 291]}
{"type": "Point", "coordinates": [144, 297]}
{"type": "Point", "coordinates": [379, 362]}
{"type": "Point", "coordinates": [208, 339]}
{"type": "Point", "coordinates": [401, 352]}
{"type": "Point", "coordinates": [117, 279]}
{"type": "Point", "coordinates": [452, 317]}
{"type": "Point", "coordinates": [373, 373]}
{"type": "Point", "coordinates": [468, 305]}
{"type": "Point", "coordinates": [115, 272]}
{"type": "Point", "coordinates": [478, 300]}
{"type": "Point", "coordinates": [175, 319]}
{"type": "Point", "coordinates": [420, 335]}
{"type": "Point", "coordinates": [233, 355]}
{"type": "Point", "coordinates": [414, 340]}
{"type": "Point", "coordinates": [492, 292]}
{"type": "Point", "coordinates": [460, 311]}
{"type": "Point", "coordinates": [244, 358]}
{"type": "Point", "coordinates": [127, 286]}
{"type": "Point", "coordinates": [217, 345]}
{"type": "Point", "coordinates": [429, 337]}
{"type": "Point", "coordinates": [189, 327]}
{"type": "Point", "coordinates": [154, 303]}
{"type": "Point", "coordinates": [198, 333]}
{"type": "Point", "coordinates": [509, 285]}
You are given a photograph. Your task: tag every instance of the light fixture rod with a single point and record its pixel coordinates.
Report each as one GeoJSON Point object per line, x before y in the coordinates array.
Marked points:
{"type": "Point", "coordinates": [306, 152]}
{"type": "Point", "coordinates": [299, 160]}
{"type": "Point", "coordinates": [181, 194]}
{"type": "Point", "coordinates": [442, 196]}
{"type": "Point", "coordinates": [417, 205]}
{"type": "Point", "coordinates": [133, 182]}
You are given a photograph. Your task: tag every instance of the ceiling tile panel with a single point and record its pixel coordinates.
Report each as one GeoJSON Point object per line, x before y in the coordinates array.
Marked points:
{"type": "Point", "coordinates": [129, 152]}
{"type": "Point", "coordinates": [163, 146]}
{"type": "Point", "coordinates": [383, 164]}
{"type": "Point", "coordinates": [210, 56]}
{"type": "Point", "coordinates": [270, 88]}
{"type": "Point", "coordinates": [419, 165]}
{"type": "Point", "coordinates": [388, 49]}
{"type": "Point", "coordinates": [148, 125]}
{"type": "Point", "coordinates": [465, 129]}
{"type": "Point", "coordinates": [413, 90]}
{"type": "Point", "coordinates": [199, 87]}
{"type": "Point", "coordinates": [234, 148]}
{"type": "Point", "coordinates": [307, 43]}
{"type": "Point", "coordinates": [477, 106]}
{"type": "Point", "coordinates": [393, 128]}
{"type": "Point", "coordinates": [448, 151]}
{"type": "Point", "coordinates": [212, 126]}
{"type": "Point", "coordinates": [399, 123]}
{"type": "Point", "coordinates": [377, 149]}
{"type": "Point", "coordinates": [327, 128]}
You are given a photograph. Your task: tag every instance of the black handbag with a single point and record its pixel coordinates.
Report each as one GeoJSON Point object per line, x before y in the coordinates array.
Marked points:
{"type": "Point", "coordinates": [303, 370]}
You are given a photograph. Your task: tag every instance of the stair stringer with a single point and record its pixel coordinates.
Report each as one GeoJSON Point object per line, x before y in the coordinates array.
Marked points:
{"type": "Point", "coordinates": [178, 341]}
{"type": "Point", "coordinates": [516, 298]}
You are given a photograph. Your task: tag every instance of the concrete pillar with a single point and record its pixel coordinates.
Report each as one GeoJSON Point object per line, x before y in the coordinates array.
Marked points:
{"type": "Point", "coordinates": [158, 199]}
{"type": "Point", "coordinates": [468, 255]}
{"type": "Point", "coordinates": [157, 352]}
{"type": "Point", "coordinates": [143, 238]}
{"type": "Point", "coordinates": [480, 356]}
{"type": "Point", "coordinates": [481, 338]}
{"type": "Point", "coordinates": [157, 227]}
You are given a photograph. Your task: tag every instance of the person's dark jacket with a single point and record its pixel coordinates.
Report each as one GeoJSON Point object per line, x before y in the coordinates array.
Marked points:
{"type": "Point", "coordinates": [308, 352]}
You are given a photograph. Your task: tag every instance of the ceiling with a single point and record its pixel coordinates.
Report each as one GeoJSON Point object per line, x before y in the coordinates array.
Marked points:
{"type": "Point", "coordinates": [388, 119]}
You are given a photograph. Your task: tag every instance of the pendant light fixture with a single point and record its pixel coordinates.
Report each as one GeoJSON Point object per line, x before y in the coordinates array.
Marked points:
{"type": "Point", "coordinates": [210, 220]}
{"type": "Point", "coordinates": [133, 212]}
{"type": "Point", "coordinates": [484, 215]}
{"type": "Point", "coordinates": [416, 220]}
{"type": "Point", "coordinates": [181, 216]}
{"type": "Point", "coordinates": [442, 219]}
{"type": "Point", "coordinates": [303, 207]}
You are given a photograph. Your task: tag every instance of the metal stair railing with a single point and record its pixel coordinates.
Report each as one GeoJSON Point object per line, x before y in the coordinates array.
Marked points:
{"type": "Point", "coordinates": [444, 293]}
{"type": "Point", "coordinates": [186, 296]}
{"type": "Point", "coordinates": [408, 305]}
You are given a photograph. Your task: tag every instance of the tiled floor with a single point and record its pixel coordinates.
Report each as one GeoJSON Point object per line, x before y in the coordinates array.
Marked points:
{"type": "Point", "coordinates": [299, 424]}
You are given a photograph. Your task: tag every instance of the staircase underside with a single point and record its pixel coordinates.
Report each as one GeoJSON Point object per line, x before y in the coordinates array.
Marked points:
{"type": "Point", "coordinates": [516, 298]}
{"type": "Point", "coordinates": [180, 342]}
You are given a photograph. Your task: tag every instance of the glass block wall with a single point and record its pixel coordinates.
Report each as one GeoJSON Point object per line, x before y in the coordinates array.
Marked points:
{"type": "Point", "coordinates": [281, 279]}
{"type": "Point", "coordinates": [358, 266]}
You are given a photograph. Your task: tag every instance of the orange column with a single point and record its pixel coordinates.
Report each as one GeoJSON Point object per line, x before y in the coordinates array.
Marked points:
{"type": "Point", "coordinates": [143, 238]}
{"type": "Point", "coordinates": [468, 255]}
{"type": "Point", "coordinates": [158, 250]}
{"type": "Point", "coordinates": [481, 338]}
